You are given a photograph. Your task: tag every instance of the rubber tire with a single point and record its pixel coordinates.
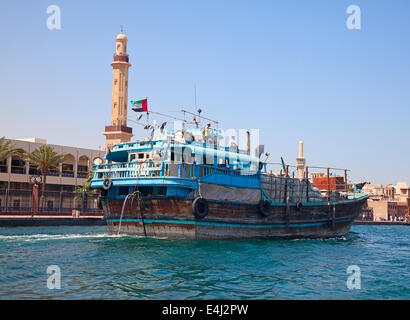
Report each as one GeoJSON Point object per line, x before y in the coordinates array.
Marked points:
{"type": "Point", "coordinates": [200, 208]}
{"type": "Point", "coordinates": [260, 166]}
{"type": "Point", "coordinates": [264, 208]}
{"type": "Point", "coordinates": [299, 205]}
{"type": "Point", "coordinates": [107, 184]}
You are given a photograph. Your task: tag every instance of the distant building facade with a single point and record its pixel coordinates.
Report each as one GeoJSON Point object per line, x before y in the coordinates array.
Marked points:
{"type": "Point", "coordinates": [389, 203]}
{"type": "Point", "coordinates": [374, 189]}
{"type": "Point", "coordinates": [15, 172]}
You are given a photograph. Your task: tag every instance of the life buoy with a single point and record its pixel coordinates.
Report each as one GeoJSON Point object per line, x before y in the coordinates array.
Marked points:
{"type": "Point", "coordinates": [264, 208]}
{"type": "Point", "coordinates": [260, 166]}
{"type": "Point", "coordinates": [200, 208]}
{"type": "Point", "coordinates": [299, 205]}
{"type": "Point", "coordinates": [107, 184]}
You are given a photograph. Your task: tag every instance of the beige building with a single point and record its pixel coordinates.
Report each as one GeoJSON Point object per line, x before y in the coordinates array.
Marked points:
{"type": "Point", "coordinates": [401, 191]}
{"type": "Point", "coordinates": [15, 172]}
{"type": "Point", "coordinates": [374, 189]}
{"type": "Point", "coordinates": [389, 203]}
{"type": "Point", "coordinates": [118, 132]}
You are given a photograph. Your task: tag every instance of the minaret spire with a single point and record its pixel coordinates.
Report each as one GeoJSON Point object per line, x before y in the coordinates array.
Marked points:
{"type": "Point", "coordinates": [118, 132]}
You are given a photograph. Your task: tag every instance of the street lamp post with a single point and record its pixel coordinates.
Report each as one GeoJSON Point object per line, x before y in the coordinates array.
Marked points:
{"type": "Point", "coordinates": [35, 181]}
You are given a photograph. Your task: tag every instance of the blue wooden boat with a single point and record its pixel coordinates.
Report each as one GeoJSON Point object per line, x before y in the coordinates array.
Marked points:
{"type": "Point", "coordinates": [180, 186]}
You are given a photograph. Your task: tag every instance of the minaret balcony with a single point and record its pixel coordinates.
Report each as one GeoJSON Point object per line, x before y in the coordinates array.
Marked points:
{"type": "Point", "coordinates": [121, 58]}
{"type": "Point", "coordinates": [118, 128]}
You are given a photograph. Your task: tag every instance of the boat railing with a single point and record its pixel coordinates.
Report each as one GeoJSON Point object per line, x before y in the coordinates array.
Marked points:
{"type": "Point", "coordinates": [137, 169]}
{"type": "Point", "coordinates": [327, 180]}
{"type": "Point", "coordinates": [127, 169]}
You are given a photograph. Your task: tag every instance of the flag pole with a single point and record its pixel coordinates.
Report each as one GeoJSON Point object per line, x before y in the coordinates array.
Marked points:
{"type": "Point", "coordinates": [195, 92]}
{"type": "Point", "coordinates": [147, 116]}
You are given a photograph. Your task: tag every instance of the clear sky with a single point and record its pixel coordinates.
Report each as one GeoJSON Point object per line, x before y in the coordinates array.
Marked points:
{"type": "Point", "coordinates": [289, 68]}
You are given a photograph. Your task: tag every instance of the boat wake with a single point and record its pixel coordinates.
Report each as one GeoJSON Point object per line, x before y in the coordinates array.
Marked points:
{"type": "Point", "coordinates": [45, 237]}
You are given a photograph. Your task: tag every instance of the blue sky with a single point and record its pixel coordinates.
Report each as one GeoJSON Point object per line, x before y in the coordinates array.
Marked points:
{"type": "Point", "coordinates": [290, 68]}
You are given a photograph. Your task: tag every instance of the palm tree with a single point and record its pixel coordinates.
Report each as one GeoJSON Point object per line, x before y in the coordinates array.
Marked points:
{"type": "Point", "coordinates": [46, 159]}
{"type": "Point", "coordinates": [7, 149]}
{"type": "Point", "coordinates": [86, 186]}
{"type": "Point", "coordinates": [83, 190]}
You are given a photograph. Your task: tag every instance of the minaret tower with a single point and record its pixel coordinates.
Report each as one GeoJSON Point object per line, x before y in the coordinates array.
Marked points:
{"type": "Point", "coordinates": [300, 161]}
{"type": "Point", "coordinates": [118, 132]}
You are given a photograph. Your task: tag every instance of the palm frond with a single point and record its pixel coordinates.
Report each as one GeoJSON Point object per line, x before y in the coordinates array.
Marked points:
{"type": "Point", "coordinates": [45, 158]}
{"type": "Point", "coordinates": [7, 149]}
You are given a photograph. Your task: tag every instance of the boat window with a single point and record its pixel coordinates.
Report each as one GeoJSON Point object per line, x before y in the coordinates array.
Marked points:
{"type": "Point", "coordinates": [132, 157]}
{"type": "Point", "coordinates": [140, 156]}
{"type": "Point", "coordinates": [145, 190]}
{"type": "Point", "coordinates": [123, 191]}
{"type": "Point", "coordinates": [152, 190]}
{"type": "Point", "coordinates": [160, 191]}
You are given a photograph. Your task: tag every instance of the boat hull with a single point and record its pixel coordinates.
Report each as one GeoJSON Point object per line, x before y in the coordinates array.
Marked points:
{"type": "Point", "coordinates": [173, 218]}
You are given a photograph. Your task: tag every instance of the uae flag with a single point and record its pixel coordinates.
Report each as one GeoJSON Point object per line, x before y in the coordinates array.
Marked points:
{"type": "Point", "coordinates": [140, 105]}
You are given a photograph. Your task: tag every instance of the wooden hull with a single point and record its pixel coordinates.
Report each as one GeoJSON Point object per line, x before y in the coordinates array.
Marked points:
{"type": "Point", "coordinates": [173, 218]}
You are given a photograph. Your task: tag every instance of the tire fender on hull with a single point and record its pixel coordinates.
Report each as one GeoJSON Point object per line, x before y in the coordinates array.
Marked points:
{"type": "Point", "coordinates": [264, 208]}
{"type": "Point", "coordinates": [200, 208]}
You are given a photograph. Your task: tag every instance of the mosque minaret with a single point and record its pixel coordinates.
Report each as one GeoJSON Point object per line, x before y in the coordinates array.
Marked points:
{"type": "Point", "coordinates": [118, 132]}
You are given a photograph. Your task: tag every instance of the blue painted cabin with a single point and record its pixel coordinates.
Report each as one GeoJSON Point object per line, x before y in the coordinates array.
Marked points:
{"type": "Point", "coordinates": [166, 168]}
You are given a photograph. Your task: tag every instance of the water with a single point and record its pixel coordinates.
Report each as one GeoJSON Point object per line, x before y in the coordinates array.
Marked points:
{"type": "Point", "coordinates": [95, 265]}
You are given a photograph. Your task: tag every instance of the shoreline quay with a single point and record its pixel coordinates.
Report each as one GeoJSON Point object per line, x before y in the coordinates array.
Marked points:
{"type": "Point", "coordinates": [381, 223]}
{"type": "Point", "coordinates": [40, 221]}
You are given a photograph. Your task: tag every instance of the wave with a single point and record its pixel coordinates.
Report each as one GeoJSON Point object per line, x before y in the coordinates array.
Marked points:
{"type": "Point", "coordinates": [43, 237]}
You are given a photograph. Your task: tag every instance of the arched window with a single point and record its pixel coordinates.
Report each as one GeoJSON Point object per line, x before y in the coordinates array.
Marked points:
{"type": "Point", "coordinates": [68, 166]}
{"type": "Point", "coordinates": [18, 165]}
{"type": "Point", "coordinates": [83, 167]}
